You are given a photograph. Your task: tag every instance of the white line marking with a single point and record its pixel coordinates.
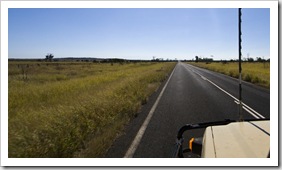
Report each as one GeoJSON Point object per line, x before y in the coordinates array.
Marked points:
{"type": "Point", "coordinates": [246, 107]}
{"type": "Point", "coordinates": [131, 150]}
{"type": "Point", "coordinates": [253, 111]}
{"type": "Point", "coordinates": [203, 78]}
{"type": "Point", "coordinates": [248, 110]}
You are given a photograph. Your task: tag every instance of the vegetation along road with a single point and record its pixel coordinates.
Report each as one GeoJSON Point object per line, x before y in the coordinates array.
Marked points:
{"type": "Point", "coordinates": [190, 95]}
{"type": "Point", "coordinates": [75, 109]}
{"type": "Point", "coordinates": [87, 109]}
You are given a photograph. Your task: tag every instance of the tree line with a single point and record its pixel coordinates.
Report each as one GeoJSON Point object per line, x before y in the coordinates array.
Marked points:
{"type": "Point", "coordinates": [249, 59]}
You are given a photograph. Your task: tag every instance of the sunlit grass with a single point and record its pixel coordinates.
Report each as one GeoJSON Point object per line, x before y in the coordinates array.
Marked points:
{"type": "Point", "coordinates": [254, 72]}
{"type": "Point", "coordinates": [75, 109]}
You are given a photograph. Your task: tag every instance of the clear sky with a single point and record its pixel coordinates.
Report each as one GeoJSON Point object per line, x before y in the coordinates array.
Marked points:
{"type": "Point", "coordinates": [137, 33]}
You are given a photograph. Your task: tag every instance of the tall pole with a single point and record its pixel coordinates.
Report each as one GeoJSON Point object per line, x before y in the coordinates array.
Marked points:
{"type": "Point", "coordinates": [240, 68]}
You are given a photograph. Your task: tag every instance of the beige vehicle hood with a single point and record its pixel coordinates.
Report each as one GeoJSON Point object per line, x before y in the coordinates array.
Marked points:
{"type": "Point", "coordinates": [237, 140]}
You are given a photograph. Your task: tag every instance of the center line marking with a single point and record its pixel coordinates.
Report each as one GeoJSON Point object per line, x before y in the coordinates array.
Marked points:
{"type": "Point", "coordinates": [246, 107]}
{"type": "Point", "coordinates": [131, 150]}
{"type": "Point", "coordinates": [248, 110]}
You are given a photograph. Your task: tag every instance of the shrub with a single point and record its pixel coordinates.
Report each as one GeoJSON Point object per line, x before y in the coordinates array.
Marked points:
{"type": "Point", "coordinates": [248, 78]}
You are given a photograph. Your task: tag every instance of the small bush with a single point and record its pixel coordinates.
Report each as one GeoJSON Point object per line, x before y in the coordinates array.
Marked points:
{"type": "Point", "coordinates": [231, 73]}
{"type": "Point", "coordinates": [256, 80]}
{"type": "Point", "coordinates": [248, 78]}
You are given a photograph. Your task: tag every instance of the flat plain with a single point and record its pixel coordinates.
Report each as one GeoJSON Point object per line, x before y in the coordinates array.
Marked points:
{"type": "Point", "coordinates": [75, 109]}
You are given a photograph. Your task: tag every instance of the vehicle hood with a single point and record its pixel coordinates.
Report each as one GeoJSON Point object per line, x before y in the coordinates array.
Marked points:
{"type": "Point", "coordinates": [237, 140]}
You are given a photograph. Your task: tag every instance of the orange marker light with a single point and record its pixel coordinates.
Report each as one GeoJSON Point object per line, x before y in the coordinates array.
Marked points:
{"type": "Point", "coordinates": [190, 143]}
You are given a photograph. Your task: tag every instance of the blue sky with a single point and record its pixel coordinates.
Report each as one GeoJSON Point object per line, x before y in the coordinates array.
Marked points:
{"type": "Point", "coordinates": [137, 33]}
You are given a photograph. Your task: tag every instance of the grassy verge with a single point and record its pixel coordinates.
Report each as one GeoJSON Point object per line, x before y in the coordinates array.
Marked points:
{"type": "Point", "coordinates": [256, 73]}
{"type": "Point", "coordinates": [75, 109]}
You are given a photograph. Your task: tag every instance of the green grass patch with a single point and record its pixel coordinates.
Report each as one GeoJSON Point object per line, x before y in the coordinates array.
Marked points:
{"type": "Point", "coordinates": [254, 72]}
{"type": "Point", "coordinates": [64, 109]}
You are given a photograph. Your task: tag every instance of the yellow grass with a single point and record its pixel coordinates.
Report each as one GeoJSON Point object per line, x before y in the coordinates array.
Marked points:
{"type": "Point", "coordinates": [75, 109]}
{"type": "Point", "coordinates": [254, 72]}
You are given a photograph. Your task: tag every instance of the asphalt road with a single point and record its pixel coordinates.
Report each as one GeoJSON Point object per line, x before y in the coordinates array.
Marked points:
{"type": "Point", "coordinates": [190, 95]}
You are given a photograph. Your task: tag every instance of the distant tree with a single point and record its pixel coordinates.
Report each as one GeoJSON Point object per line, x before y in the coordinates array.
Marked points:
{"type": "Point", "coordinates": [197, 59]}
{"type": "Point", "coordinates": [224, 61]}
{"type": "Point", "coordinates": [259, 59]}
{"type": "Point", "coordinates": [207, 59]}
{"type": "Point", "coordinates": [49, 57]}
{"type": "Point", "coordinates": [250, 59]}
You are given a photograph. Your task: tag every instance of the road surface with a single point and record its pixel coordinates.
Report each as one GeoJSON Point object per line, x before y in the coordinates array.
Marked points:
{"type": "Point", "coordinates": [190, 95]}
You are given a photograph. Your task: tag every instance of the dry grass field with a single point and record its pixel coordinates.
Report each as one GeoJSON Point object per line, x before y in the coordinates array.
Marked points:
{"type": "Point", "coordinates": [75, 109]}
{"type": "Point", "coordinates": [254, 72]}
